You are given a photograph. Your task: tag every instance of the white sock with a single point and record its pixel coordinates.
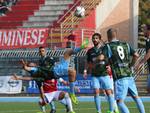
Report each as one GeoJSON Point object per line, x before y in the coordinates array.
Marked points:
{"type": "Point", "coordinates": [68, 101]}
{"type": "Point", "coordinates": [42, 108]}
{"type": "Point", "coordinates": [63, 101]}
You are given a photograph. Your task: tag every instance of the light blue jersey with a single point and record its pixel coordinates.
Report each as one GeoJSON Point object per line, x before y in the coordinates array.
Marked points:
{"type": "Point", "coordinates": [61, 68]}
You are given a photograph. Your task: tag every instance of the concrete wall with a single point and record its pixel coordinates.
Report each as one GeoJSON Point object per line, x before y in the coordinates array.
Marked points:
{"type": "Point", "coordinates": [120, 14]}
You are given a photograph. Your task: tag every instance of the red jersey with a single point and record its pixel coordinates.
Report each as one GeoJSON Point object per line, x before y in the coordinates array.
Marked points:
{"type": "Point", "coordinates": [109, 71]}
{"type": "Point", "coordinates": [50, 85]}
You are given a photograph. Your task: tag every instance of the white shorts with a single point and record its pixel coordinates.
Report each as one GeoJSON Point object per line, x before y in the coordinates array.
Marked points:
{"type": "Point", "coordinates": [52, 96]}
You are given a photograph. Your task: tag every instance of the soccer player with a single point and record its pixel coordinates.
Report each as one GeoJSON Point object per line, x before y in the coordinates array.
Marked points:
{"type": "Point", "coordinates": [60, 69]}
{"type": "Point", "coordinates": [98, 70]}
{"type": "Point", "coordinates": [44, 61]}
{"type": "Point", "coordinates": [50, 93]}
{"type": "Point", "coordinates": [109, 71]}
{"type": "Point", "coordinates": [119, 55]}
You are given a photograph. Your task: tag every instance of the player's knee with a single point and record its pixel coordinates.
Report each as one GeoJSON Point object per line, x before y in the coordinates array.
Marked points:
{"type": "Point", "coordinates": [136, 97]}
{"type": "Point", "coordinates": [109, 92]}
{"type": "Point", "coordinates": [97, 91]}
{"type": "Point", "coordinates": [61, 95]}
{"type": "Point", "coordinates": [66, 95]}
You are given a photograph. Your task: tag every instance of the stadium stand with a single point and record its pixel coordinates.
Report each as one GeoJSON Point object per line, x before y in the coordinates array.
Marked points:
{"type": "Point", "coordinates": [19, 13]}
{"type": "Point", "coordinates": [56, 15]}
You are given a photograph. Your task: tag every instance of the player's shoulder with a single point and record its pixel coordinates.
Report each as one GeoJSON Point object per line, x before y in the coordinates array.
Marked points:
{"type": "Point", "coordinates": [90, 50]}
{"type": "Point", "coordinates": [116, 42]}
{"type": "Point", "coordinates": [49, 58]}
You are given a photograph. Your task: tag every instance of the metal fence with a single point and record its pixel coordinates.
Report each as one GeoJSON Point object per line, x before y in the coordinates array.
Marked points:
{"type": "Point", "coordinates": [10, 59]}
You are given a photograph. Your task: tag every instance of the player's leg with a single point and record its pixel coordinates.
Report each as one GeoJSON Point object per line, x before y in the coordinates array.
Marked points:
{"type": "Point", "coordinates": [116, 110]}
{"type": "Point", "coordinates": [121, 90]}
{"type": "Point", "coordinates": [133, 92]}
{"type": "Point", "coordinates": [72, 79]}
{"type": "Point", "coordinates": [63, 101]}
{"type": "Point", "coordinates": [60, 95]}
{"type": "Point", "coordinates": [49, 97]}
{"type": "Point", "coordinates": [96, 86]}
{"type": "Point", "coordinates": [52, 106]}
{"type": "Point", "coordinates": [106, 85]}
{"type": "Point", "coordinates": [63, 69]}
{"type": "Point", "coordinates": [43, 109]}
{"type": "Point", "coordinates": [42, 106]}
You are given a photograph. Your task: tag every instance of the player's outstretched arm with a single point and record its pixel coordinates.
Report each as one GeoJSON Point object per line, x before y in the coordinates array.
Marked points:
{"type": "Point", "coordinates": [25, 66]}
{"type": "Point", "coordinates": [16, 77]}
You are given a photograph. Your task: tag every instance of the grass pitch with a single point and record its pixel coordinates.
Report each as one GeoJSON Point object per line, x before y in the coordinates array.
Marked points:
{"type": "Point", "coordinates": [82, 107]}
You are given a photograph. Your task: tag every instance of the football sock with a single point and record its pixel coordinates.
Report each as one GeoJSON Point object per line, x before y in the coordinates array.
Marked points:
{"type": "Point", "coordinates": [72, 87]}
{"type": "Point", "coordinates": [123, 108]}
{"type": "Point", "coordinates": [42, 108]}
{"type": "Point", "coordinates": [52, 105]}
{"type": "Point", "coordinates": [140, 105]}
{"type": "Point", "coordinates": [111, 102]}
{"type": "Point", "coordinates": [68, 101]}
{"type": "Point", "coordinates": [63, 101]}
{"type": "Point", "coordinates": [97, 102]}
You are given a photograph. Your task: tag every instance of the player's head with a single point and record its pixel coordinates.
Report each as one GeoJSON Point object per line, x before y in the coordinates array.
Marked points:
{"type": "Point", "coordinates": [96, 38]}
{"type": "Point", "coordinates": [71, 41]}
{"type": "Point", "coordinates": [42, 51]}
{"type": "Point", "coordinates": [111, 34]}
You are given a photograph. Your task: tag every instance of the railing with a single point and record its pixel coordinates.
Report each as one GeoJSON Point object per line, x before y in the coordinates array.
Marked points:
{"type": "Point", "coordinates": [143, 69]}
{"type": "Point", "coordinates": [69, 11]}
{"type": "Point", "coordinates": [69, 22]}
{"type": "Point", "coordinates": [16, 55]}
{"type": "Point", "coordinates": [57, 36]}
{"type": "Point", "coordinates": [88, 5]}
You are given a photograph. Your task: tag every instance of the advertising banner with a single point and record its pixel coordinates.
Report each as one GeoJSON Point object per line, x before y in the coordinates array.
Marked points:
{"type": "Point", "coordinates": [84, 86]}
{"type": "Point", "coordinates": [9, 86]}
{"type": "Point", "coordinates": [23, 38]}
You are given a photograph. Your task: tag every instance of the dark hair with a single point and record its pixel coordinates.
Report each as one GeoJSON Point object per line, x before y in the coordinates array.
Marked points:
{"type": "Point", "coordinates": [97, 34]}
{"type": "Point", "coordinates": [41, 47]}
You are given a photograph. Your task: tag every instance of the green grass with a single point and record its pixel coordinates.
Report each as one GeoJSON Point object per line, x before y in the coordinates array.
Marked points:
{"type": "Point", "coordinates": [82, 107]}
